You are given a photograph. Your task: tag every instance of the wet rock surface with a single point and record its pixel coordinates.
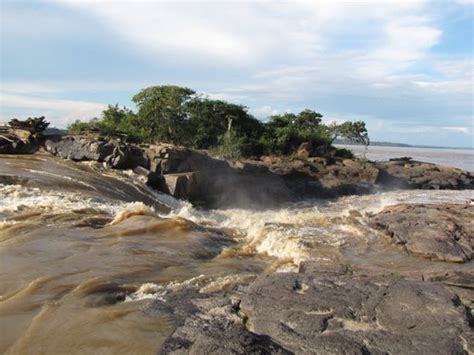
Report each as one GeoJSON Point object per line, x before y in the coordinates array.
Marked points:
{"type": "Point", "coordinates": [438, 232]}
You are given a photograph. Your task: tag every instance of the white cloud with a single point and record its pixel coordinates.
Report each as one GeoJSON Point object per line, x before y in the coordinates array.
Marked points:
{"type": "Point", "coordinates": [463, 130]}
{"type": "Point", "coordinates": [375, 57]}
{"type": "Point", "coordinates": [263, 112]}
{"type": "Point", "coordinates": [59, 112]}
{"type": "Point", "coordinates": [465, 2]}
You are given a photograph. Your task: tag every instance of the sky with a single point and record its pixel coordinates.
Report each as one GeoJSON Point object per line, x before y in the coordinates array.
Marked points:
{"type": "Point", "coordinates": [405, 67]}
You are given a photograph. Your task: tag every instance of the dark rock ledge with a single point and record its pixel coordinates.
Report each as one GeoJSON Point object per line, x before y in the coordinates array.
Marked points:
{"type": "Point", "coordinates": [202, 179]}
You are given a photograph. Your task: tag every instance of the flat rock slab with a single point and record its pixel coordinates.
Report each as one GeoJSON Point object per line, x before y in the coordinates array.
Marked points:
{"type": "Point", "coordinates": [321, 313]}
{"type": "Point", "coordinates": [438, 232]}
{"type": "Point", "coordinates": [355, 315]}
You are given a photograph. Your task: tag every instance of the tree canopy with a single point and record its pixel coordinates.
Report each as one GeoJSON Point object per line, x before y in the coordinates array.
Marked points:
{"type": "Point", "coordinates": [177, 115]}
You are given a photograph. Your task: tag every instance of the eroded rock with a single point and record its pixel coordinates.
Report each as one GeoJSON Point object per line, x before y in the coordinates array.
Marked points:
{"type": "Point", "coordinates": [438, 232]}
{"type": "Point", "coordinates": [357, 315]}
{"type": "Point", "coordinates": [407, 173]}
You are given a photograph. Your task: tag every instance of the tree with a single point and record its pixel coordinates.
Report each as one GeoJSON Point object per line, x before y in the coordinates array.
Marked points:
{"type": "Point", "coordinates": [113, 121]}
{"type": "Point", "coordinates": [355, 132]}
{"type": "Point", "coordinates": [174, 114]}
{"type": "Point", "coordinates": [161, 112]}
{"type": "Point", "coordinates": [208, 121]}
{"type": "Point", "coordinates": [215, 122]}
{"type": "Point", "coordinates": [285, 133]}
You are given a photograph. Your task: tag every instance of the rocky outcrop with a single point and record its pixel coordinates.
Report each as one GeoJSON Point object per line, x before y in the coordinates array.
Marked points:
{"type": "Point", "coordinates": [407, 173]}
{"type": "Point", "coordinates": [437, 232]}
{"type": "Point", "coordinates": [319, 313]}
{"type": "Point", "coordinates": [346, 314]}
{"type": "Point", "coordinates": [22, 137]}
{"type": "Point", "coordinates": [116, 154]}
{"type": "Point", "coordinates": [195, 176]}
{"type": "Point", "coordinates": [332, 308]}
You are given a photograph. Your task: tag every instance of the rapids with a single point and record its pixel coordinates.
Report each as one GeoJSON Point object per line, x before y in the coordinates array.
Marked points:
{"type": "Point", "coordinates": [84, 248]}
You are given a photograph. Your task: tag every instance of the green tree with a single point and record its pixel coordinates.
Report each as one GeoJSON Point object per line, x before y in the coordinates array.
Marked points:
{"type": "Point", "coordinates": [214, 122]}
{"type": "Point", "coordinates": [161, 113]}
{"type": "Point", "coordinates": [355, 132]}
{"type": "Point", "coordinates": [113, 121]}
{"type": "Point", "coordinates": [285, 133]}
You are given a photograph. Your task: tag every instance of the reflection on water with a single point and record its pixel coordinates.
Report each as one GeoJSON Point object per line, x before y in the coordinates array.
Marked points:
{"type": "Point", "coordinates": [83, 250]}
{"type": "Point", "coordinates": [457, 158]}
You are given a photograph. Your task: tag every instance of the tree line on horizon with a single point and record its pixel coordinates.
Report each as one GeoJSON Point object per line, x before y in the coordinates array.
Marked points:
{"type": "Point", "coordinates": [176, 115]}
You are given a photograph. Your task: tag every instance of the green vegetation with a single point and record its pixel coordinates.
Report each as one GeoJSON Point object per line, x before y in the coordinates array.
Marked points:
{"type": "Point", "coordinates": [177, 115]}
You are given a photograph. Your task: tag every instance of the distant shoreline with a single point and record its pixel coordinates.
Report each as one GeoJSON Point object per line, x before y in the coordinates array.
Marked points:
{"type": "Point", "coordinates": [402, 145]}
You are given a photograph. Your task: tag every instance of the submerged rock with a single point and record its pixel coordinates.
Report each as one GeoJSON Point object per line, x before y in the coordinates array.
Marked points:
{"type": "Point", "coordinates": [437, 232]}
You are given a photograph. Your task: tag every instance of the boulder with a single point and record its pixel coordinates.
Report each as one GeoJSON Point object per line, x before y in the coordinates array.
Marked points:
{"type": "Point", "coordinates": [115, 154]}
{"type": "Point", "coordinates": [304, 151]}
{"type": "Point", "coordinates": [438, 232]}
{"type": "Point", "coordinates": [272, 180]}
{"type": "Point", "coordinates": [182, 185]}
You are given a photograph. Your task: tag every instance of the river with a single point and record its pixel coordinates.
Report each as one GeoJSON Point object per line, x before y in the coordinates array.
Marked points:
{"type": "Point", "coordinates": [83, 249]}
{"type": "Point", "coordinates": [457, 158]}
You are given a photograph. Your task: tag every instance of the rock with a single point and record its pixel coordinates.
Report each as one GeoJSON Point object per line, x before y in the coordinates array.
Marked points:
{"type": "Point", "coordinates": [22, 137]}
{"type": "Point", "coordinates": [322, 314]}
{"type": "Point", "coordinates": [304, 151]}
{"type": "Point", "coordinates": [218, 331]}
{"type": "Point", "coordinates": [182, 186]}
{"type": "Point", "coordinates": [214, 182]}
{"type": "Point", "coordinates": [438, 232]}
{"type": "Point", "coordinates": [116, 154]}
{"type": "Point", "coordinates": [407, 173]}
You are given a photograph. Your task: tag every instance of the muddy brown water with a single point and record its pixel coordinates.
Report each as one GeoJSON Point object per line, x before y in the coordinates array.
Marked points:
{"type": "Point", "coordinates": [83, 249]}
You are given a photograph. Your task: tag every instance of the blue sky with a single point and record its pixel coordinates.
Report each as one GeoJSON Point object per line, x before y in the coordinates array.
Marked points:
{"type": "Point", "coordinates": [403, 66]}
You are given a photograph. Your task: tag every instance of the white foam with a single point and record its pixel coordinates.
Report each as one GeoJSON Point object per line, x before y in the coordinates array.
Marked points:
{"type": "Point", "coordinates": [151, 290]}
{"type": "Point", "coordinates": [17, 198]}
{"type": "Point", "coordinates": [292, 232]}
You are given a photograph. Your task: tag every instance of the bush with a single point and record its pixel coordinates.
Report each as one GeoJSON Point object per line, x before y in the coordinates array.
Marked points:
{"type": "Point", "coordinates": [234, 146]}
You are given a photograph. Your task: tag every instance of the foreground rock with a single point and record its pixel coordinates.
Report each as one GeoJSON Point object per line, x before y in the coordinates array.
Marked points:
{"type": "Point", "coordinates": [322, 313]}
{"type": "Point", "coordinates": [437, 232]}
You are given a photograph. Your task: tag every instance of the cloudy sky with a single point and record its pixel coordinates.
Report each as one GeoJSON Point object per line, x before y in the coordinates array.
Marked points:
{"type": "Point", "coordinates": [403, 66]}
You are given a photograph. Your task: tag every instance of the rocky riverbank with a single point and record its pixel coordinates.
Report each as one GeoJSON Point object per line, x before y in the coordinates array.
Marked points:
{"type": "Point", "coordinates": [200, 178]}
{"type": "Point", "coordinates": [329, 307]}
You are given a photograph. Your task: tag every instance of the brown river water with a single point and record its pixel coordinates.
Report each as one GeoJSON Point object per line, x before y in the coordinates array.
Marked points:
{"type": "Point", "coordinates": [83, 249]}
